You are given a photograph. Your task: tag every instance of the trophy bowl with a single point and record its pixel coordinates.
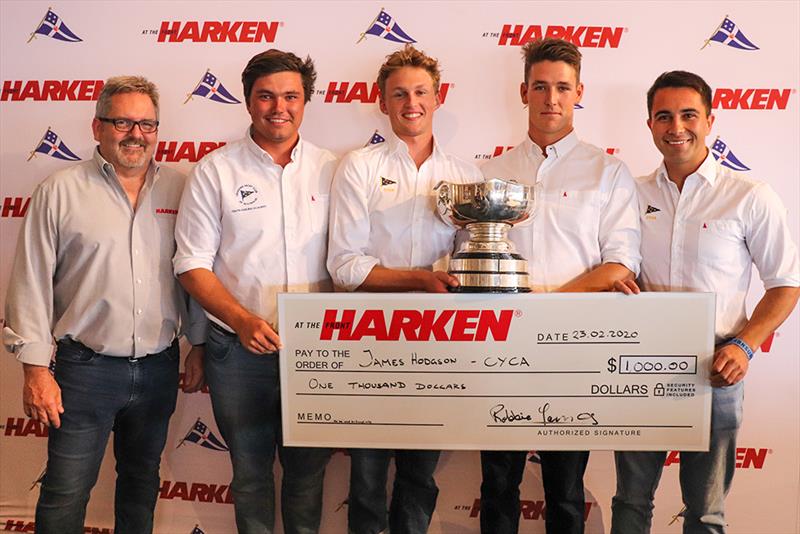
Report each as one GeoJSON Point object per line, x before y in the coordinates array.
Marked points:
{"type": "Point", "coordinates": [487, 262]}
{"type": "Point", "coordinates": [493, 200]}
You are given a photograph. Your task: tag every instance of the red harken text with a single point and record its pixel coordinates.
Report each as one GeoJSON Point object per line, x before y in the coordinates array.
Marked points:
{"type": "Point", "coordinates": [416, 325]}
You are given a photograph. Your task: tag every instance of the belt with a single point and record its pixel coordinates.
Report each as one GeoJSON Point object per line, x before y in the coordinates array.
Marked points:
{"type": "Point", "coordinates": [132, 359]}
{"type": "Point", "coordinates": [222, 331]}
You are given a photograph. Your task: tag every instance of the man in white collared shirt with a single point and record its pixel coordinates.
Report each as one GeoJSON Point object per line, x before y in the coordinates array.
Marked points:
{"type": "Point", "coordinates": [93, 276]}
{"type": "Point", "coordinates": [703, 227]}
{"type": "Point", "coordinates": [253, 222]}
{"type": "Point", "coordinates": [584, 236]}
{"type": "Point", "coordinates": [386, 236]}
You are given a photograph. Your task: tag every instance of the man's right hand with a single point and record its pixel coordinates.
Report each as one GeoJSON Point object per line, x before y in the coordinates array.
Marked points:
{"type": "Point", "coordinates": [41, 396]}
{"type": "Point", "coordinates": [628, 287]}
{"type": "Point", "coordinates": [257, 335]}
{"type": "Point", "coordinates": [438, 281]}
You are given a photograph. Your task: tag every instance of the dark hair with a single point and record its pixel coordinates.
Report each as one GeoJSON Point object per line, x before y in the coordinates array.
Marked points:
{"type": "Point", "coordinates": [680, 78]}
{"type": "Point", "coordinates": [551, 49]}
{"type": "Point", "coordinates": [408, 56]}
{"type": "Point", "coordinates": [273, 61]}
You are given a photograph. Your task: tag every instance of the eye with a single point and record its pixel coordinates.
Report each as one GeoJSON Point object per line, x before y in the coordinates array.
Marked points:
{"type": "Point", "coordinates": [123, 123]}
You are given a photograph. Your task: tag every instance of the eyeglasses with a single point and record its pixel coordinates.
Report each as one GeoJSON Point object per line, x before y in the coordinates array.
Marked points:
{"type": "Point", "coordinates": [126, 125]}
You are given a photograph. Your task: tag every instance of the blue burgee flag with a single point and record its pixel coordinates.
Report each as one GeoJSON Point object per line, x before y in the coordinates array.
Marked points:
{"type": "Point", "coordinates": [375, 139]}
{"type": "Point", "coordinates": [54, 147]}
{"type": "Point", "coordinates": [210, 87]}
{"type": "Point", "coordinates": [201, 435]}
{"type": "Point", "coordinates": [53, 26]}
{"type": "Point", "coordinates": [383, 26]}
{"type": "Point", "coordinates": [725, 157]}
{"type": "Point", "coordinates": [729, 34]}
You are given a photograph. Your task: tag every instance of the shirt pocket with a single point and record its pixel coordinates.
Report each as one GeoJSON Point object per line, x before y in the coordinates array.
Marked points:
{"type": "Point", "coordinates": [318, 204]}
{"type": "Point", "coordinates": [577, 212]}
{"type": "Point", "coordinates": [720, 243]}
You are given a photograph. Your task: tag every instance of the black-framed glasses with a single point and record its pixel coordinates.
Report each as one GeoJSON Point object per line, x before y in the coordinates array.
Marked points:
{"type": "Point", "coordinates": [126, 125]}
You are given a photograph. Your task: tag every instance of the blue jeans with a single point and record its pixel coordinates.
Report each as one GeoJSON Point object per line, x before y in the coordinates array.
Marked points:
{"type": "Point", "coordinates": [562, 478]}
{"type": "Point", "coordinates": [100, 393]}
{"type": "Point", "coordinates": [245, 397]}
{"type": "Point", "coordinates": [705, 477]}
{"type": "Point", "coordinates": [413, 495]}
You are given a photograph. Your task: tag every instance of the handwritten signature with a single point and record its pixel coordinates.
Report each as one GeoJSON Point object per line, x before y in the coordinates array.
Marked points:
{"type": "Point", "coordinates": [500, 414]}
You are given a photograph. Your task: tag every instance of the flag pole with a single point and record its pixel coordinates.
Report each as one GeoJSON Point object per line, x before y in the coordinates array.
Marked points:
{"type": "Point", "coordinates": [364, 33]}
{"type": "Point", "coordinates": [715, 32]}
{"type": "Point", "coordinates": [33, 152]}
{"type": "Point", "coordinates": [33, 33]}
{"type": "Point", "coordinates": [203, 77]}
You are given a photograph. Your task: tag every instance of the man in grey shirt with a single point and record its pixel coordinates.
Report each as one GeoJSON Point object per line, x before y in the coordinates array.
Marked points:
{"type": "Point", "coordinates": [93, 273]}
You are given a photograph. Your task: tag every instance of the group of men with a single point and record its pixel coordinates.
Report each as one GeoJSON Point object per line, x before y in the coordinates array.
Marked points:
{"type": "Point", "coordinates": [106, 258]}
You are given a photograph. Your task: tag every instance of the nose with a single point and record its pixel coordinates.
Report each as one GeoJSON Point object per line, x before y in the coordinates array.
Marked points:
{"type": "Point", "coordinates": [279, 104]}
{"type": "Point", "coordinates": [675, 125]}
{"type": "Point", "coordinates": [552, 96]}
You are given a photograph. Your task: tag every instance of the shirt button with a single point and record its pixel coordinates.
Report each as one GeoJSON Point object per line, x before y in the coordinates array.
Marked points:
{"type": "Point", "coordinates": [138, 338]}
{"type": "Point", "coordinates": [139, 311]}
{"type": "Point", "coordinates": [138, 280]}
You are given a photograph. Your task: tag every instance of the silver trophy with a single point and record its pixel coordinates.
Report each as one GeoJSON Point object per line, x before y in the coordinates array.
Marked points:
{"type": "Point", "coordinates": [488, 262]}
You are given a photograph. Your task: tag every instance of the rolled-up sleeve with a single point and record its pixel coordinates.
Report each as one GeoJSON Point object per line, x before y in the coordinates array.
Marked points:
{"type": "Point", "coordinates": [620, 234]}
{"type": "Point", "coordinates": [29, 303]}
{"type": "Point", "coordinates": [198, 227]}
{"type": "Point", "coordinates": [349, 228]}
{"type": "Point", "coordinates": [769, 240]}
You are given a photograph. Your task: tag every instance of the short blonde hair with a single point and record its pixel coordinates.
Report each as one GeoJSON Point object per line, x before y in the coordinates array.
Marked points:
{"type": "Point", "coordinates": [408, 56]}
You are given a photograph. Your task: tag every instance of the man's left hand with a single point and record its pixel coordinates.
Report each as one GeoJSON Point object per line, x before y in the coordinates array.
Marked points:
{"type": "Point", "coordinates": [193, 377]}
{"type": "Point", "coordinates": [729, 367]}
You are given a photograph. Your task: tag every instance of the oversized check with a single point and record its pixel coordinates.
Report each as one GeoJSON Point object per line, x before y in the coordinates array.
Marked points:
{"type": "Point", "coordinates": [497, 372]}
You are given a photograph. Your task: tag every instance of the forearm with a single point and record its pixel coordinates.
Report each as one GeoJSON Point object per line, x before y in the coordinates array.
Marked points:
{"type": "Point", "coordinates": [204, 286]}
{"type": "Point", "coordinates": [382, 279]}
{"type": "Point", "coordinates": [601, 278]}
{"type": "Point", "coordinates": [770, 312]}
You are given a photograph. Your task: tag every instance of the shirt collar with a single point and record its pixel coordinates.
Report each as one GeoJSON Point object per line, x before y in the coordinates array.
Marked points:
{"type": "Point", "coordinates": [107, 169]}
{"type": "Point", "coordinates": [559, 149]}
{"type": "Point", "coordinates": [707, 171]}
{"type": "Point", "coordinates": [263, 154]}
{"type": "Point", "coordinates": [398, 146]}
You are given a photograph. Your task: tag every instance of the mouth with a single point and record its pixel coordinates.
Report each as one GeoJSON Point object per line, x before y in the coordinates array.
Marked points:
{"type": "Point", "coordinates": [412, 115]}
{"type": "Point", "coordinates": [676, 142]}
{"type": "Point", "coordinates": [132, 145]}
{"type": "Point", "coordinates": [278, 120]}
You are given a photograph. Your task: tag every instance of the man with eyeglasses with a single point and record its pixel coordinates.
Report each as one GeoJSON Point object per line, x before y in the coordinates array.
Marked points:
{"type": "Point", "coordinates": [93, 273]}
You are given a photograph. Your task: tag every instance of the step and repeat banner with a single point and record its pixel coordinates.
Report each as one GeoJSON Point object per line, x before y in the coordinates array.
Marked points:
{"type": "Point", "coordinates": [54, 57]}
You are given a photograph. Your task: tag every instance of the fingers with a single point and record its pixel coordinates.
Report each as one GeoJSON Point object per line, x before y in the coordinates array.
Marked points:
{"type": "Point", "coordinates": [628, 287]}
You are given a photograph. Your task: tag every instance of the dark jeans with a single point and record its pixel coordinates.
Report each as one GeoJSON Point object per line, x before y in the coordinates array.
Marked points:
{"type": "Point", "coordinates": [413, 495]}
{"type": "Point", "coordinates": [562, 478]}
{"type": "Point", "coordinates": [245, 397]}
{"type": "Point", "coordinates": [100, 393]}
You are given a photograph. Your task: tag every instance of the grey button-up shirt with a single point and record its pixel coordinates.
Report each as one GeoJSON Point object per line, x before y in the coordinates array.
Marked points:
{"type": "Point", "coordinates": [89, 268]}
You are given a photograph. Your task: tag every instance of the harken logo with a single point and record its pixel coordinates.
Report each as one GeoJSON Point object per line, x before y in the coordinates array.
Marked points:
{"type": "Point", "coordinates": [417, 325]}
{"type": "Point", "coordinates": [364, 92]}
{"type": "Point", "coordinates": [175, 151]}
{"type": "Point", "coordinates": [53, 90]}
{"type": "Point", "coordinates": [580, 36]}
{"type": "Point", "coordinates": [217, 31]}
{"type": "Point", "coordinates": [725, 98]}
{"type": "Point", "coordinates": [746, 458]}
{"type": "Point", "coordinates": [247, 194]}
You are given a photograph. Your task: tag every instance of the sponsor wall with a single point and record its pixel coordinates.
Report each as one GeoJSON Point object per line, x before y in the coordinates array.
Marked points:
{"type": "Point", "coordinates": [55, 56]}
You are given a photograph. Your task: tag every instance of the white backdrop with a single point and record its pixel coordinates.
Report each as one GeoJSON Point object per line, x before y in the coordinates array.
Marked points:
{"type": "Point", "coordinates": [51, 83]}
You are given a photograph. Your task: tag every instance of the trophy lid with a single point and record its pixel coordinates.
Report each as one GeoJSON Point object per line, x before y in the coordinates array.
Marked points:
{"type": "Point", "coordinates": [492, 200]}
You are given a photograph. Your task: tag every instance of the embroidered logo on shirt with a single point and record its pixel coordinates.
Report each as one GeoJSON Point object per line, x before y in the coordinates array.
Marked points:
{"type": "Point", "coordinates": [387, 184]}
{"type": "Point", "coordinates": [246, 194]}
{"type": "Point", "coordinates": [166, 211]}
{"type": "Point", "coordinates": [651, 209]}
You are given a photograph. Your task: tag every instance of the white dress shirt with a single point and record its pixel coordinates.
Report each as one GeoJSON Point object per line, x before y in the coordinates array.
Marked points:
{"type": "Point", "coordinates": [585, 210]}
{"type": "Point", "coordinates": [261, 228]}
{"type": "Point", "coordinates": [707, 237]}
{"type": "Point", "coordinates": [91, 269]}
{"type": "Point", "coordinates": [383, 211]}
